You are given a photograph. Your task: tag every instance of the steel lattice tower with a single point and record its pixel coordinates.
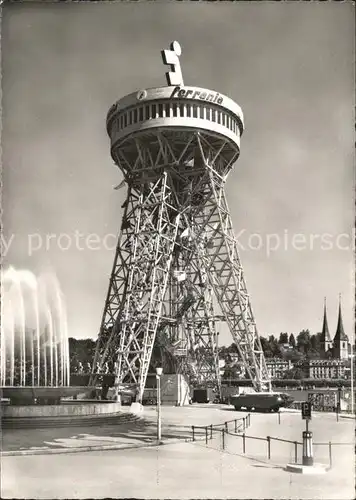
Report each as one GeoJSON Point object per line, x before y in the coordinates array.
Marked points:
{"type": "Point", "coordinates": [176, 255]}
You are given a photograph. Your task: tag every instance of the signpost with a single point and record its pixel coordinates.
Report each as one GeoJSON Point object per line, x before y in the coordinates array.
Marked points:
{"type": "Point", "coordinates": [307, 466]}
{"type": "Point", "coordinates": [306, 411]}
{"type": "Point", "coordinates": [307, 435]}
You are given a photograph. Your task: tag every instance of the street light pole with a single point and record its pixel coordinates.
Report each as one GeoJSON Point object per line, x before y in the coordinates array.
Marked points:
{"type": "Point", "coordinates": [352, 379]}
{"type": "Point", "coordinates": [159, 423]}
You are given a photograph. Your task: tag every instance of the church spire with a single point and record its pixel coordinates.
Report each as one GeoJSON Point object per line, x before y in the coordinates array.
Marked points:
{"type": "Point", "coordinates": [325, 335]}
{"type": "Point", "coordinates": [340, 332]}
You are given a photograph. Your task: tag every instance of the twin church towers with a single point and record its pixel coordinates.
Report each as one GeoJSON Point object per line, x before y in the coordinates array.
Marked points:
{"type": "Point", "coordinates": [338, 348]}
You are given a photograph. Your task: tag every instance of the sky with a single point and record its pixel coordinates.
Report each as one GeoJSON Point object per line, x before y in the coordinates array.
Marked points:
{"type": "Point", "coordinates": [289, 65]}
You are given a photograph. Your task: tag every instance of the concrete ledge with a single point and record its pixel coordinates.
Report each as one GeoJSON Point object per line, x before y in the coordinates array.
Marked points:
{"type": "Point", "coordinates": [66, 410]}
{"type": "Point", "coordinates": [347, 415]}
{"type": "Point", "coordinates": [307, 469]}
{"type": "Point", "coordinates": [103, 447]}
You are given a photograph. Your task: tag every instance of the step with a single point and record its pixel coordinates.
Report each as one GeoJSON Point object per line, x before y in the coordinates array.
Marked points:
{"type": "Point", "coordinates": [24, 423]}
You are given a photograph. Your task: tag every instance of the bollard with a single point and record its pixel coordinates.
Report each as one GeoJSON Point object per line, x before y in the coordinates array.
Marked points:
{"type": "Point", "coordinates": [330, 456]}
{"type": "Point", "coordinates": [244, 424]}
{"type": "Point", "coordinates": [226, 428]}
{"type": "Point", "coordinates": [211, 431]}
{"type": "Point", "coordinates": [308, 448]}
{"type": "Point", "coordinates": [243, 443]}
{"type": "Point", "coordinates": [235, 426]}
{"type": "Point", "coordinates": [193, 432]}
{"type": "Point", "coordinates": [279, 417]}
{"type": "Point", "coordinates": [206, 435]}
{"type": "Point", "coordinates": [248, 419]}
{"type": "Point", "coordinates": [295, 451]}
{"type": "Point", "coordinates": [223, 439]}
{"type": "Point", "coordinates": [269, 447]}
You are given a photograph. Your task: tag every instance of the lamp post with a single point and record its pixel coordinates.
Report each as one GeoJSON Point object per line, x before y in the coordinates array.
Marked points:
{"type": "Point", "coordinates": [352, 378]}
{"type": "Point", "coordinates": [159, 372]}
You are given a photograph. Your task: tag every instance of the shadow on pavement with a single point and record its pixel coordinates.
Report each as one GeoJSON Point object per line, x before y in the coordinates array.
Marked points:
{"type": "Point", "coordinates": [267, 466]}
{"type": "Point", "coordinates": [139, 432]}
{"type": "Point", "coordinates": [239, 413]}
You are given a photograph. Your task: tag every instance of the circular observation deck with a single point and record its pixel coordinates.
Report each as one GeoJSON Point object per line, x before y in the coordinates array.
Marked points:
{"type": "Point", "coordinates": [175, 112]}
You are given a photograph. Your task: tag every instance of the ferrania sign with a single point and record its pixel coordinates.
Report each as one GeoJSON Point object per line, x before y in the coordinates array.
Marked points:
{"type": "Point", "coordinates": [182, 93]}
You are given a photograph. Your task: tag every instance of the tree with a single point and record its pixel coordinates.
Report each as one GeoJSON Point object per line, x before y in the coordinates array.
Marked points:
{"type": "Point", "coordinates": [273, 345]}
{"type": "Point", "coordinates": [224, 354]}
{"type": "Point", "coordinates": [295, 373]}
{"type": "Point", "coordinates": [232, 348]}
{"type": "Point", "coordinates": [222, 351]}
{"type": "Point", "coordinates": [303, 341]}
{"type": "Point", "coordinates": [315, 347]}
{"type": "Point", "coordinates": [231, 372]}
{"type": "Point", "coordinates": [265, 346]}
{"type": "Point", "coordinates": [283, 338]}
{"type": "Point", "coordinates": [292, 355]}
{"type": "Point", "coordinates": [81, 350]}
{"type": "Point", "coordinates": [292, 340]}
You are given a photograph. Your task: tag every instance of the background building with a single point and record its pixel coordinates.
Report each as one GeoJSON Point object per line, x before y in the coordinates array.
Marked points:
{"type": "Point", "coordinates": [278, 367]}
{"type": "Point", "coordinates": [323, 368]}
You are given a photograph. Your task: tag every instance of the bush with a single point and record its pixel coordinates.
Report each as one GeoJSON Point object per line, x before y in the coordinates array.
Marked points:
{"type": "Point", "coordinates": [286, 382]}
{"type": "Point", "coordinates": [327, 382]}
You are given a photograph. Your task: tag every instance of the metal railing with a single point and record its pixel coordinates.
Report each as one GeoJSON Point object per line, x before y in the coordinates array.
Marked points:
{"type": "Point", "coordinates": [238, 423]}
{"type": "Point", "coordinates": [237, 427]}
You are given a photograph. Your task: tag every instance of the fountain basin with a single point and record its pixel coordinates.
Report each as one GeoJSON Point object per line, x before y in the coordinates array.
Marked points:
{"type": "Point", "coordinates": [71, 411]}
{"type": "Point", "coordinates": [76, 414]}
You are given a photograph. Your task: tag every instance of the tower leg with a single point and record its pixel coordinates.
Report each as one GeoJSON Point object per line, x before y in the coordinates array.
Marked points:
{"type": "Point", "coordinates": [195, 312]}
{"type": "Point", "coordinates": [227, 279]}
{"type": "Point", "coordinates": [216, 246]}
{"type": "Point", "coordinates": [201, 330]}
{"type": "Point", "coordinates": [138, 283]}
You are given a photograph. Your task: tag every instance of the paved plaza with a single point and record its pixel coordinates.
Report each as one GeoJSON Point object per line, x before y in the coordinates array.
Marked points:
{"type": "Point", "coordinates": [181, 468]}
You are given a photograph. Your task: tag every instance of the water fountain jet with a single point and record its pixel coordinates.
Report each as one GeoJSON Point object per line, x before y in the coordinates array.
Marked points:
{"type": "Point", "coordinates": [34, 339]}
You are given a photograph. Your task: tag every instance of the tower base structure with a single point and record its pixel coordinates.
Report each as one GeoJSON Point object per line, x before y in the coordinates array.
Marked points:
{"type": "Point", "coordinates": [314, 469]}
{"type": "Point", "coordinates": [136, 408]}
{"type": "Point", "coordinates": [176, 267]}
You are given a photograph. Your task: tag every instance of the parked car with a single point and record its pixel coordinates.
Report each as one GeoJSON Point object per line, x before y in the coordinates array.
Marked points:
{"type": "Point", "coordinates": [261, 401]}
